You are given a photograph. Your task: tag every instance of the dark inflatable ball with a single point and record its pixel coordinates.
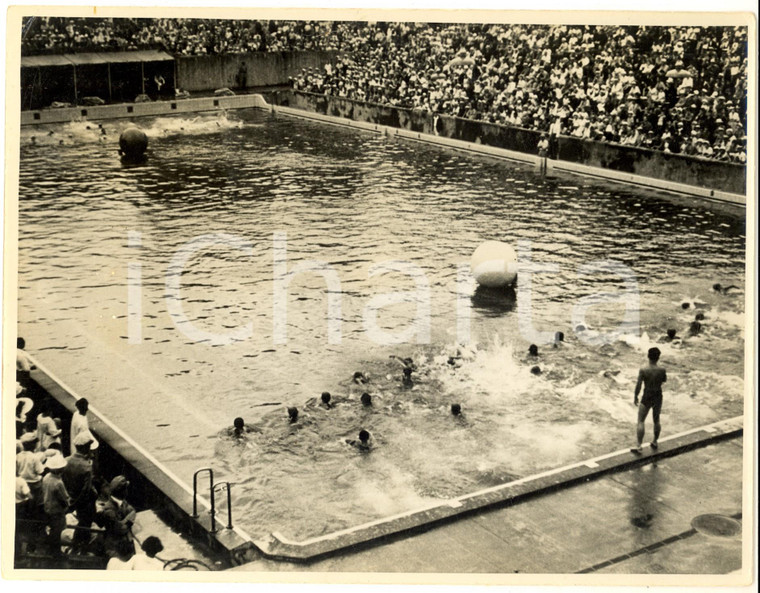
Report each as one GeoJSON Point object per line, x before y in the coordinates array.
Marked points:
{"type": "Point", "coordinates": [132, 143]}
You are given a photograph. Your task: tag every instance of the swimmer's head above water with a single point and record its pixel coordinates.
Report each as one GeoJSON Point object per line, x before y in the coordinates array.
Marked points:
{"type": "Point", "coordinates": [559, 337]}
{"type": "Point", "coordinates": [238, 424]}
{"type": "Point", "coordinates": [326, 397]}
{"type": "Point", "coordinates": [293, 414]}
{"type": "Point", "coordinates": [536, 370]}
{"type": "Point", "coordinates": [364, 436]}
{"type": "Point", "coordinates": [533, 350]}
{"type": "Point", "coordinates": [366, 399]}
{"type": "Point", "coordinates": [671, 334]}
{"type": "Point", "coordinates": [456, 409]}
{"type": "Point", "coordinates": [653, 354]}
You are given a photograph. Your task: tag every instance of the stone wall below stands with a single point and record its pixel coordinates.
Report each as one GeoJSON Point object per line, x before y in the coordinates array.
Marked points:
{"type": "Point", "coordinates": [642, 162]}
{"type": "Point", "coordinates": [255, 69]}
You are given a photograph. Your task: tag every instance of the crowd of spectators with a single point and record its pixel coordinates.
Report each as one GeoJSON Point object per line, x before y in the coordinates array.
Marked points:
{"type": "Point", "coordinates": [56, 494]}
{"type": "Point", "coordinates": [673, 89]}
{"type": "Point", "coordinates": [181, 37]}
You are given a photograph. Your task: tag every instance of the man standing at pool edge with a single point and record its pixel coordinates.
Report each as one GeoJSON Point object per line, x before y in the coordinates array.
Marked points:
{"type": "Point", "coordinates": [652, 377]}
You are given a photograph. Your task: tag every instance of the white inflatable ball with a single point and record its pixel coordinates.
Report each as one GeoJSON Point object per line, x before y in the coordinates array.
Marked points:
{"type": "Point", "coordinates": [494, 264]}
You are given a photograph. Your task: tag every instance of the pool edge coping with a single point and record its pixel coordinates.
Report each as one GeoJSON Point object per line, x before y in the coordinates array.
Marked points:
{"type": "Point", "coordinates": [422, 519]}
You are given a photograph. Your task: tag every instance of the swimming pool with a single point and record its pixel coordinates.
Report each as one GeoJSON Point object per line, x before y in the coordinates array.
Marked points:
{"type": "Point", "coordinates": [355, 201]}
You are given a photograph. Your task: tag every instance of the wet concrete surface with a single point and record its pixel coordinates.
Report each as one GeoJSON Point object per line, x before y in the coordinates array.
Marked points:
{"type": "Point", "coordinates": [637, 521]}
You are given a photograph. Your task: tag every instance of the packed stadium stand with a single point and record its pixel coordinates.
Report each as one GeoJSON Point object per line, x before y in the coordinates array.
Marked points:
{"type": "Point", "coordinates": [672, 89]}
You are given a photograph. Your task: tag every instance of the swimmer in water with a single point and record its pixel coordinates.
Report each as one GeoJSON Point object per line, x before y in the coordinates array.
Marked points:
{"type": "Point", "coordinates": [366, 399]}
{"type": "Point", "coordinates": [685, 306]}
{"type": "Point", "coordinates": [364, 443]}
{"type": "Point", "coordinates": [535, 370]}
{"type": "Point", "coordinates": [651, 377]}
{"type": "Point", "coordinates": [559, 338]}
{"type": "Point", "coordinates": [360, 378]}
{"type": "Point", "coordinates": [456, 410]}
{"type": "Point", "coordinates": [238, 428]}
{"type": "Point", "coordinates": [406, 380]}
{"type": "Point", "coordinates": [532, 350]}
{"type": "Point", "coordinates": [454, 362]}
{"type": "Point", "coordinates": [406, 362]}
{"type": "Point", "coordinates": [326, 397]}
{"type": "Point", "coordinates": [717, 287]}
{"type": "Point", "coordinates": [695, 328]}
{"type": "Point", "coordinates": [699, 316]}
{"type": "Point", "coordinates": [671, 336]}
{"type": "Point", "coordinates": [293, 415]}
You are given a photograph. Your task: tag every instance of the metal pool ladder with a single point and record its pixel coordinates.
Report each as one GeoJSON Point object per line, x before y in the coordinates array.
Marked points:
{"type": "Point", "coordinates": [212, 487]}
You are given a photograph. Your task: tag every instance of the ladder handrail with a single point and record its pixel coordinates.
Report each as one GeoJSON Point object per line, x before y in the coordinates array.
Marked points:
{"type": "Point", "coordinates": [227, 485]}
{"type": "Point", "coordinates": [195, 493]}
{"type": "Point", "coordinates": [212, 492]}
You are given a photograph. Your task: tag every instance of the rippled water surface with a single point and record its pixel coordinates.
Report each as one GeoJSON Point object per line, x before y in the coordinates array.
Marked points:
{"type": "Point", "coordinates": [353, 201]}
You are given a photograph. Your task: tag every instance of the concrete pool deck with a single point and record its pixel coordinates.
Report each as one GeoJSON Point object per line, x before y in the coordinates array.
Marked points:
{"type": "Point", "coordinates": [636, 520]}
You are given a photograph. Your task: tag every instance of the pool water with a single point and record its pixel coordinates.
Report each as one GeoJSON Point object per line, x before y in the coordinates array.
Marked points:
{"type": "Point", "coordinates": [353, 201]}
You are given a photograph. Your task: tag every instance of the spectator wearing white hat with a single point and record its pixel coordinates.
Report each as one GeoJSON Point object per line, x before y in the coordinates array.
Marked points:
{"type": "Point", "coordinates": [77, 477]}
{"type": "Point", "coordinates": [56, 501]}
{"type": "Point", "coordinates": [30, 465]}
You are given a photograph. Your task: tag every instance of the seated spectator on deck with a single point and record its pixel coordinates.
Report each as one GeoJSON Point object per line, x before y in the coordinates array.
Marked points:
{"type": "Point", "coordinates": [117, 517]}
{"type": "Point", "coordinates": [147, 560]}
{"type": "Point", "coordinates": [123, 556]}
{"type": "Point", "coordinates": [23, 364]}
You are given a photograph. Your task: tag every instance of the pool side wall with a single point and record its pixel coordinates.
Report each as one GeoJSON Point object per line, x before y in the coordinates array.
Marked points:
{"type": "Point", "coordinates": [621, 163]}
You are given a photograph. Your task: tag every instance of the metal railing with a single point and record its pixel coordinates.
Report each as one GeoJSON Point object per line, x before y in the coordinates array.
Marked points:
{"type": "Point", "coordinates": [212, 494]}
